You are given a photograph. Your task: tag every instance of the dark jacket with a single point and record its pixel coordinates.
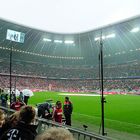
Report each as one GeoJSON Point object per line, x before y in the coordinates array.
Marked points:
{"type": "Point", "coordinates": [4, 97]}
{"type": "Point", "coordinates": [67, 108]}
{"type": "Point", "coordinates": [21, 131]}
{"type": "Point", "coordinates": [43, 108]}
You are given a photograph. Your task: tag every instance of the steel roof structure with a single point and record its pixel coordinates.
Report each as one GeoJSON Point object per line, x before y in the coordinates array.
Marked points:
{"type": "Point", "coordinates": [121, 44]}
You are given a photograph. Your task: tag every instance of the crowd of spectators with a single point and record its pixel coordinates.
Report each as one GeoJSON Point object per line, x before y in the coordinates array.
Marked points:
{"type": "Point", "coordinates": [37, 69]}
{"type": "Point", "coordinates": [92, 85]}
{"type": "Point", "coordinates": [43, 77]}
{"type": "Point", "coordinates": [22, 125]}
{"type": "Point", "coordinates": [70, 85]}
{"type": "Point", "coordinates": [23, 82]}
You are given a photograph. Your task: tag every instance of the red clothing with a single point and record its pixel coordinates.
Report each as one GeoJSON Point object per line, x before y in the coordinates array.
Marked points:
{"type": "Point", "coordinates": [16, 105]}
{"type": "Point", "coordinates": [67, 103]}
{"type": "Point", "coordinates": [58, 115]}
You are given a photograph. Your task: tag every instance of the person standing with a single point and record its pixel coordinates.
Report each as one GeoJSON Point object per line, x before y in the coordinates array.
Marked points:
{"type": "Point", "coordinates": [57, 112]}
{"type": "Point", "coordinates": [21, 97]}
{"type": "Point", "coordinates": [67, 109]}
{"type": "Point", "coordinates": [26, 98]}
{"type": "Point", "coordinates": [4, 98]}
{"type": "Point", "coordinates": [13, 97]}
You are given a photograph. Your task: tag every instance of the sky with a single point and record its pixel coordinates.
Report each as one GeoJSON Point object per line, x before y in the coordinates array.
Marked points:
{"type": "Point", "coordinates": [68, 16]}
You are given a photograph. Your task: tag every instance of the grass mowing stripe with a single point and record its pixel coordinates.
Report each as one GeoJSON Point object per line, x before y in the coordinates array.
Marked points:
{"type": "Point", "coordinates": [105, 119]}
{"type": "Point", "coordinates": [119, 108]}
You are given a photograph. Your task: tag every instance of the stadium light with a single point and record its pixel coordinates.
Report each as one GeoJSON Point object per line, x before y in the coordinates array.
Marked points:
{"type": "Point", "coordinates": [46, 39]}
{"type": "Point", "coordinates": [69, 41]}
{"type": "Point", "coordinates": [110, 36]}
{"type": "Point", "coordinates": [96, 38]}
{"type": "Point", "coordinates": [134, 30]}
{"type": "Point", "coordinates": [105, 37]}
{"type": "Point", "coordinates": [58, 41]}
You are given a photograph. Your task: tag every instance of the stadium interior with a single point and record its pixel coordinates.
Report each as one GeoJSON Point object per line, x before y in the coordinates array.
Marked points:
{"type": "Point", "coordinates": [70, 62]}
{"type": "Point", "coordinates": [48, 56]}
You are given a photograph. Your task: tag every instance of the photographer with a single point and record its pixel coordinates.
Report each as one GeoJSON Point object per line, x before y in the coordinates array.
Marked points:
{"type": "Point", "coordinates": [44, 110]}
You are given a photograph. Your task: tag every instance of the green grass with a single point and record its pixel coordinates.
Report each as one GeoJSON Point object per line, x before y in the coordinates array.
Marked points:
{"type": "Point", "coordinates": [122, 112]}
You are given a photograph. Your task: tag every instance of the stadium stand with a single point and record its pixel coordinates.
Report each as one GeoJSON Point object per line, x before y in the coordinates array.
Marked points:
{"type": "Point", "coordinates": [77, 85]}
{"type": "Point", "coordinates": [38, 69]}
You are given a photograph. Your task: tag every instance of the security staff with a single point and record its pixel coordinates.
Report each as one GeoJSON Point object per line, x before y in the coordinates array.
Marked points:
{"type": "Point", "coordinates": [67, 109]}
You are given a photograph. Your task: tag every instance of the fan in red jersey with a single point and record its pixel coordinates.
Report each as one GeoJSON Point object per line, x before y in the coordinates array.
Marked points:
{"type": "Point", "coordinates": [57, 113]}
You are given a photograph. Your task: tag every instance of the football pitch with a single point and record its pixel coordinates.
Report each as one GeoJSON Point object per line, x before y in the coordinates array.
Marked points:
{"type": "Point", "coordinates": [122, 112]}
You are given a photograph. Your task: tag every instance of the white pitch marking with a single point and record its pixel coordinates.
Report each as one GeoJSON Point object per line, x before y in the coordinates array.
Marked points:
{"type": "Point", "coordinates": [73, 94]}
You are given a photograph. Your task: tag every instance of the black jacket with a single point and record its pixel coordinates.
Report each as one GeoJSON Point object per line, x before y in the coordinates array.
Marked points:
{"type": "Point", "coordinates": [21, 131]}
{"type": "Point", "coordinates": [67, 108]}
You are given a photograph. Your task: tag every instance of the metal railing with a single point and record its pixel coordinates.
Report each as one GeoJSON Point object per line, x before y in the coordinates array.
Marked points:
{"type": "Point", "coordinates": [78, 134]}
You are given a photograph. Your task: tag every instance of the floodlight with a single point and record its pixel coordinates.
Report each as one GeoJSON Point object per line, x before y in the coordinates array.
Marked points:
{"type": "Point", "coordinates": [97, 38]}
{"type": "Point", "coordinates": [103, 37]}
{"type": "Point", "coordinates": [46, 39]}
{"type": "Point", "coordinates": [110, 36]}
{"type": "Point", "coordinates": [134, 30]}
{"type": "Point", "coordinates": [69, 41]}
{"type": "Point", "coordinates": [58, 41]}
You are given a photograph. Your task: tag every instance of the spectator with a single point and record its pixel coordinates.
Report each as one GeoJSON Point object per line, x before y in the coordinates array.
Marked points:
{"type": "Point", "coordinates": [17, 105]}
{"type": "Point", "coordinates": [57, 113]}
{"type": "Point", "coordinates": [21, 97]}
{"type": "Point", "coordinates": [23, 130]}
{"type": "Point", "coordinates": [10, 121]}
{"type": "Point", "coordinates": [54, 133]}
{"type": "Point", "coordinates": [4, 98]}
{"type": "Point", "coordinates": [2, 120]}
{"type": "Point", "coordinates": [67, 108]}
{"type": "Point", "coordinates": [13, 97]}
{"type": "Point", "coordinates": [26, 98]}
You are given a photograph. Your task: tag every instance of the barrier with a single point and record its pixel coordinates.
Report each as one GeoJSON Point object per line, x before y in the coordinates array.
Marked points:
{"type": "Point", "coordinates": [78, 134]}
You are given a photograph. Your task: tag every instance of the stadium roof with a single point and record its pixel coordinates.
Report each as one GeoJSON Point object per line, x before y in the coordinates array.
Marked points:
{"type": "Point", "coordinates": [68, 16]}
{"type": "Point", "coordinates": [121, 44]}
